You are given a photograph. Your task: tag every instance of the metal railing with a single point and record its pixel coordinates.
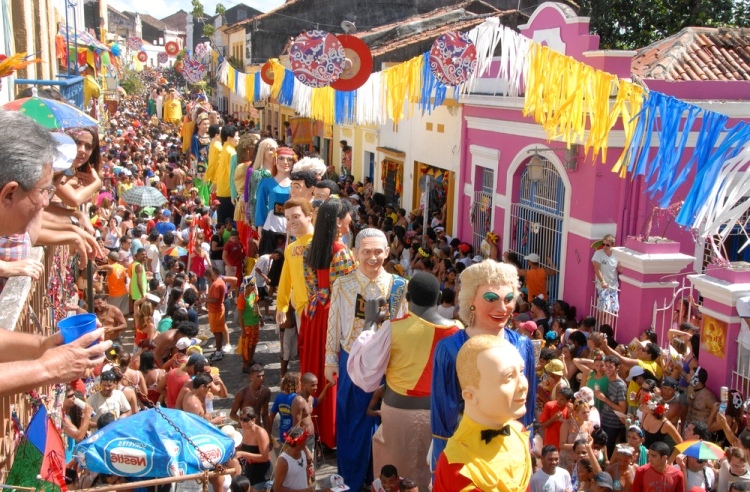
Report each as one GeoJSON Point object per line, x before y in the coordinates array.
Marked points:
{"type": "Point", "coordinates": [24, 307]}
{"type": "Point", "coordinates": [602, 315]}
{"type": "Point", "coordinates": [70, 87]}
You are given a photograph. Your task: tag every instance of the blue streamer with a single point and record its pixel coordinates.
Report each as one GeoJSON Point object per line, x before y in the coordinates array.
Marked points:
{"type": "Point", "coordinates": [256, 87]}
{"type": "Point", "coordinates": [712, 125]}
{"type": "Point", "coordinates": [236, 81]}
{"type": "Point", "coordinates": [343, 111]}
{"type": "Point", "coordinates": [431, 84]}
{"type": "Point", "coordinates": [735, 139]}
{"type": "Point", "coordinates": [286, 94]}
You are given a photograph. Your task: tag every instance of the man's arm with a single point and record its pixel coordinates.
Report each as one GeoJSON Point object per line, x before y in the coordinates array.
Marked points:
{"type": "Point", "coordinates": [45, 361]}
{"type": "Point", "coordinates": [298, 410]}
{"type": "Point", "coordinates": [127, 410]}
{"type": "Point", "coordinates": [620, 406]}
{"type": "Point", "coordinates": [236, 405]}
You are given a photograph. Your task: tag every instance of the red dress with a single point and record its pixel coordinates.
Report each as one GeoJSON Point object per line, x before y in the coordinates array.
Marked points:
{"type": "Point", "coordinates": [312, 335]}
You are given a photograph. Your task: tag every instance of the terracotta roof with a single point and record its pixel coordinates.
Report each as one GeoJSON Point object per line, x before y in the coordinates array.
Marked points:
{"type": "Point", "coordinates": [697, 53]}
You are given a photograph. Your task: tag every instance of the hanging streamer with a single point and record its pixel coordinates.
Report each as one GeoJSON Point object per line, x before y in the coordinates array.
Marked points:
{"type": "Point", "coordinates": [344, 107]}
{"type": "Point", "coordinates": [430, 85]}
{"type": "Point", "coordinates": [322, 105]}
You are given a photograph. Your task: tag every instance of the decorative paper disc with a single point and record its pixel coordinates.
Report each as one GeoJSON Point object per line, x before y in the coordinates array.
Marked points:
{"type": "Point", "coordinates": [453, 58]}
{"type": "Point", "coordinates": [201, 50]}
{"type": "Point", "coordinates": [142, 57]}
{"type": "Point", "coordinates": [162, 57]}
{"type": "Point", "coordinates": [193, 71]}
{"type": "Point", "coordinates": [171, 48]}
{"type": "Point", "coordinates": [135, 43]}
{"type": "Point", "coordinates": [266, 73]}
{"type": "Point", "coordinates": [317, 58]}
{"type": "Point", "coordinates": [357, 66]}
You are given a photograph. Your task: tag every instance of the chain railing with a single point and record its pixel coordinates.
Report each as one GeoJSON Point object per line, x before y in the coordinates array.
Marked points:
{"type": "Point", "coordinates": [24, 307]}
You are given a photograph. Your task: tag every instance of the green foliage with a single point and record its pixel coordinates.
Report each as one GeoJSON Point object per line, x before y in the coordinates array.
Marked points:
{"type": "Point", "coordinates": [132, 83]}
{"type": "Point", "coordinates": [632, 24]}
{"type": "Point", "coordinates": [208, 30]}
{"type": "Point", "coordinates": [236, 63]}
{"type": "Point", "coordinates": [198, 12]}
{"type": "Point", "coordinates": [220, 9]}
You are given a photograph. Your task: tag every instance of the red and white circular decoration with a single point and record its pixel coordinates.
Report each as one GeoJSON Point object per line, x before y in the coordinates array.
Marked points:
{"type": "Point", "coordinates": [453, 58]}
{"type": "Point", "coordinates": [266, 73]}
{"type": "Point", "coordinates": [135, 43]}
{"type": "Point", "coordinates": [171, 48]}
{"type": "Point", "coordinates": [317, 58]}
{"type": "Point", "coordinates": [357, 66]}
{"type": "Point", "coordinates": [162, 57]}
{"type": "Point", "coordinates": [142, 57]}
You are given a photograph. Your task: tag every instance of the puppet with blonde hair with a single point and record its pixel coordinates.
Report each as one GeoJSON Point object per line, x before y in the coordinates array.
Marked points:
{"type": "Point", "coordinates": [265, 155]}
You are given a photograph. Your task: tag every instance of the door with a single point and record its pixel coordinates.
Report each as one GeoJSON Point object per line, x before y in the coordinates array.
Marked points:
{"type": "Point", "coordinates": [537, 220]}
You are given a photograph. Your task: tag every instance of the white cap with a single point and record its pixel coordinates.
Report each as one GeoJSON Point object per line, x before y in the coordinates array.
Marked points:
{"type": "Point", "coordinates": [67, 151]}
{"type": "Point", "coordinates": [586, 394]}
{"type": "Point", "coordinates": [183, 343]}
{"type": "Point", "coordinates": [743, 307]}
{"type": "Point", "coordinates": [336, 483]}
{"type": "Point", "coordinates": [533, 257]}
{"type": "Point", "coordinates": [478, 259]}
{"type": "Point", "coordinates": [635, 371]}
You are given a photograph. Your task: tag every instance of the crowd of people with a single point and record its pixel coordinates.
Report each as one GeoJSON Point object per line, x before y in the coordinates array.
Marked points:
{"type": "Point", "coordinates": [375, 304]}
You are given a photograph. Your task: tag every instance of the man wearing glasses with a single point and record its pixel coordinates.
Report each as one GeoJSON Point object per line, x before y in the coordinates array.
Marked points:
{"type": "Point", "coordinates": [606, 269]}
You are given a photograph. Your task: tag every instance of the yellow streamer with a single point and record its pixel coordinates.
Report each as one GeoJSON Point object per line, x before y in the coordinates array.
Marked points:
{"type": "Point", "coordinates": [250, 87]}
{"type": "Point", "coordinates": [278, 77]}
{"type": "Point", "coordinates": [628, 104]}
{"type": "Point", "coordinates": [399, 82]}
{"type": "Point", "coordinates": [230, 79]}
{"type": "Point", "coordinates": [322, 104]}
{"type": "Point", "coordinates": [599, 113]}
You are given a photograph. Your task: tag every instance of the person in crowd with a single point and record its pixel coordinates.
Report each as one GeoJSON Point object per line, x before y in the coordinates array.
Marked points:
{"type": "Point", "coordinates": [700, 399]}
{"type": "Point", "coordinates": [535, 276]}
{"type": "Point", "coordinates": [573, 429]}
{"type": "Point", "coordinates": [255, 395]}
{"type": "Point", "coordinates": [733, 470]}
{"type": "Point", "coordinates": [550, 477]}
{"type": "Point", "coordinates": [109, 399]}
{"type": "Point", "coordinates": [606, 270]}
{"type": "Point", "coordinates": [250, 321]}
{"type": "Point", "coordinates": [304, 404]}
{"type": "Point", "coordinates": [553, 415]}
{"type": "Point", "coordinates": [658, 475]}
{"type": "Point", "coordinates": [369, 282]}
{"type": "Point", "coordinates": [614, 401]}
{"type": "Point", "coordinates": [282, 404]}
{"type": "Point", "coordinates": [291, 472]}
{"type": "Point", "coordinates": [254, 450]}
{"type": "Point", "coordinates": [219, 175]}
{"type": "Point", "coordinates": [110, 317]}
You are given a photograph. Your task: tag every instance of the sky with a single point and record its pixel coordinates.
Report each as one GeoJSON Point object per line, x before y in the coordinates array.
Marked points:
{"type": "Point", "coordinates": [163, 8]}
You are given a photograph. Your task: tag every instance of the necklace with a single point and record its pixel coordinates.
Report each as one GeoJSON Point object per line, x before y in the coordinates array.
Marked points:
{"type": "Point", "coordinates": [253, 394]}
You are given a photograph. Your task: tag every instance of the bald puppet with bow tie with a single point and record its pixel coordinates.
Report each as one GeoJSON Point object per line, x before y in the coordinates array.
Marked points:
{"type": "Point", "coordinates": [490, 449]}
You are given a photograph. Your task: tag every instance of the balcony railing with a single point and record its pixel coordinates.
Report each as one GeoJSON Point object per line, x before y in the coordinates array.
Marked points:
{"type": "Point", "coordinates": [25, 306]}
{"type": "Point", "coordinates": [70, 87]}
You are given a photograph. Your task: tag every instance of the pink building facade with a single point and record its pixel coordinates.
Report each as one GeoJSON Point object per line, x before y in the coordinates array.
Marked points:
{"type": "Point", "coordinates": [542, 197]}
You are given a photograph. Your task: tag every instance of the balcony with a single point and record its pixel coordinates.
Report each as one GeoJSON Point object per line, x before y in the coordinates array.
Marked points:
{"type": "Point", "coordinates": [26, 306]}
{"type": "Point", "coordinates": [71, 87]}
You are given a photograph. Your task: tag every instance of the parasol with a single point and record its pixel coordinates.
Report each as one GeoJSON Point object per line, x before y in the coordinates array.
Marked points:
{"type": "Point", "coordinates": [148, 445]}
{"type": "Point", "coordinates": [176, 251]}
{"type": "Point", "coordinates": [51, 114]}
{"type": "Point", "coordinates": [700, 450]}
{"type": "Point", "coordinates": [144, 196]}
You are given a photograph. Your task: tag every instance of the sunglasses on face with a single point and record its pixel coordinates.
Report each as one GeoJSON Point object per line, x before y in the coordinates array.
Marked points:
{"type": "Point", "coordinates": [607, 245]}
{"type": "Point", "coordinates": [245, 419]}
{"type": "Point", "coordinates": [72, 395]}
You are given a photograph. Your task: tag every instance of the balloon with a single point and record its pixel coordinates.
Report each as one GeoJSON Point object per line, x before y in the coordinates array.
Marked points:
{"type": "Point", "coordinates": [116, 49]}
{"type": "Point", "coordinates": [82, 57]}
{"type": "Point", "coordinates": [105, 58]}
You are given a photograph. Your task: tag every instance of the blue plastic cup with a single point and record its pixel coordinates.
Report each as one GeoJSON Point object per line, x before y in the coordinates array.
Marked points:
{"type": "Point", "coordinates": [76, 326]}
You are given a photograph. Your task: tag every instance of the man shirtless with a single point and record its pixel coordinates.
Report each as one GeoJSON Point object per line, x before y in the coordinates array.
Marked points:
{"type": "Point", "coordinates": [303, 405]}
{"type": "Point", "coordinates": [111, 318]}
{"type": "Point", "coordinates": [193, 402]}
{"type": "Point", "coordinates": [254, 395]}
{"type": "Point", "coordinates": [217, 387]}
{"type": "Point", "coordinates": [166, 341]}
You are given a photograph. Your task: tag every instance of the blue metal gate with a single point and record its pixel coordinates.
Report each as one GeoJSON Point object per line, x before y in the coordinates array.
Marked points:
{"type": "Point", "coordinates": [481, 211]}
{"type": "Point", "coordinates": [537, 220]}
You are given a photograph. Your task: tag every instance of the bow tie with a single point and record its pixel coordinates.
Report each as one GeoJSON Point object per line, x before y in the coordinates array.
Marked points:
{"type": "Point", "coordinates": [489, 434]}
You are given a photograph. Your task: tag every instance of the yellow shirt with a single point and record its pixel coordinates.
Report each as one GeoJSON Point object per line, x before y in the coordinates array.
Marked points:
{"type": "Point", "coordinates": [220, 175]}
{"type": "Point", "coordinates": [292, 286]}
{"type": "Point", "coordinates": [214, 151]}
{"type": "Point", "coordinates": [173, 111]}
{"type": "Point", "coordinates": [91, 90]}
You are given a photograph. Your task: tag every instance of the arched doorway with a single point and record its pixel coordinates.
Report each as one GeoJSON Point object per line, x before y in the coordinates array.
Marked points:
{"type": "Point", "coordinates": [536, 219]}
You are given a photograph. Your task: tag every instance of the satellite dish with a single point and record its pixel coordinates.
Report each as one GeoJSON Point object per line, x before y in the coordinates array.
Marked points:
{"type": "Point", "coordinates": [348, 27]}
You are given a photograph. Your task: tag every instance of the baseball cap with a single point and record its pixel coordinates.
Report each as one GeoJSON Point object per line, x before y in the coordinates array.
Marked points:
{"type": "Point", "coordinates": [555, 366]}
{"type": "Point", "coordinates": [166, 213]}
{"type": "Point", "coordinates": [603, 479]}
{"type": "Point", "coordinates": [533, 257]}
{"type": "Point", "coordinates": [529, 326]}
{"type": "Point", "coordinates": [743, 307]}
{"type": "Point", "coordinates": [194, 359]}
{"type": "Point", "coordinates": [67, 151]}
{"type": "Point", "coordinates": [153, 298]}
{"type": "Point", "coordinates": [670, 382]}
{"type": "Point", "coordinates": [635, 371]}
{"type": "Point", "coordinates": [586, 394]}
{"type": "Point", "coordinates": [336, 483]}
{"type": "Point", "coordinates": [183, 343]}
{"type": "Point", "coordinates": [523, 317]}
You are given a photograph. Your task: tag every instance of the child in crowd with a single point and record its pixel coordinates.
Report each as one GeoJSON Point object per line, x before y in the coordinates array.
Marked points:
{"type": "Point", "coordinates": [303, 405]}
{"type": "Point", "coordinates": [282, 405]}
{"type": "Point", "coordinates": [250, 321]}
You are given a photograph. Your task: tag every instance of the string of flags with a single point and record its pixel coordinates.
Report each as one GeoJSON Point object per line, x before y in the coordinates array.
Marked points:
{"type": "Point", "coordinates": [330, 80]}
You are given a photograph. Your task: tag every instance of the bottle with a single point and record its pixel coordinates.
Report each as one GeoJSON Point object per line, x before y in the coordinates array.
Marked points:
{"type": "Point", "coordinates": [724, 400]}
{"type": "Point", "coordinates": [79, 403]}
{"type": "Point", "coordinates": [209, 403]}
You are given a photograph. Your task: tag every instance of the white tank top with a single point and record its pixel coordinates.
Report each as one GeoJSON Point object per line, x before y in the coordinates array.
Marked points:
{"type": "Point", "coordinates": [296, 475]}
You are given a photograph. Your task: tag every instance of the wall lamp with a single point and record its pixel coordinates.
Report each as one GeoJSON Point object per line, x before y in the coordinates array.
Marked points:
{"type": "Point", "coordinates": [536, 164]}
